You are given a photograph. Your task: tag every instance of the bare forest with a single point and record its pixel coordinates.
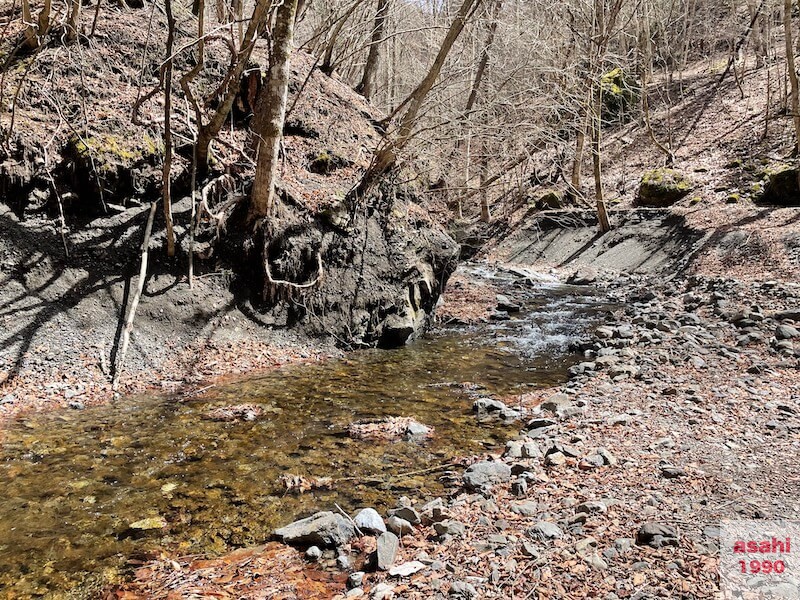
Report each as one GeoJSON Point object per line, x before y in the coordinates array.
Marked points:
{"type": "Point", "coordinates": [577, 215]}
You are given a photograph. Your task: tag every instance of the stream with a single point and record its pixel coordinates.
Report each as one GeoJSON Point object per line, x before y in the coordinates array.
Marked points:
{"type": "Point", "coordinates": [73, 482]}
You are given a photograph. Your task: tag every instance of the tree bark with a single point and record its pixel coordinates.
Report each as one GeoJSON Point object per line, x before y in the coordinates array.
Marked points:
{"type": "Point", "coordinates": [271, 111]}
{"type": "Point", "coordinates": [790, 67]}
{"type": "Point", "coordinates": [165, 175]}
{"type": "Point", "coordinates": [484, 61]}
{"type": "Point", "coordinates": [367, 85]}
{"type": "Point", "coordinates": [73, 20]}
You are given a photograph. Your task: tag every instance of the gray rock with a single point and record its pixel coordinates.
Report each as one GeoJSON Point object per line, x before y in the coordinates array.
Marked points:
{"type": "Point", "coordinates": [313, 553]}
{"type": "Point", "coordinates": [595, 561]}
{"type": "Point", "coordinates": [786, 332]}
{"type": "Point", "coordinates": [355, 579]}
{"type": "Point", "coordinates": [531, 450]}
{"type": "Point", "coordinates": [656, 535]}
{"type": "Point", "coordinates": [416, 430]}
{"type": "Point", "coordinates": [555, 403]}
{"type": "Point", "coordinates": [530, 550]}
{"type": "Point", "coordinates": [370, 522]}
{"type": "Point", "coordinates": [484, 474]}
{"type": "Point", "coordinates": [385, 555]}
{"type": "Point", "coordinates": [462, 589]}
{"type": "Point", "coordinates": [322, 529]}
{"type": "Point", "coordinates": [407, 569]}
{"type": "Point", "coordinates": [399, 526]}
{"type": "Point", "coordinates": [583, 276]}
{"type": "Point", "coordinates": [591, 507]}
{"type": "Point", "coordinates": [343, 562]}
{"type": "Point", "coordinates": [555, 459]}
{"type": "Point", "coordinates": [488, 405]}
{"type": "Point", "coordinates": [513, 449]}
{"type": "Point", "coordinates": [525, 509]}
{"type": "Point", "coordinates": [449, 527]}
{"type": "Point", "coordinates": [604, 333]}
{"type": "Point", "coordinates": [544, 530]}
{"type": "Point", "coordinates": [506, 304]}
{"type": "Point", "coordinates": [382, 591]}
{"type": "Point", "coordinates": [672, 472]}
{"type": "Point", "coordinates": [540, 423]}
{"type": "Point", "coordinates": [624, 332]}
{"type": "Point", "coordinates": [519, 488]}
{"type": "Point", "coordinates": [8, 399]}
{"type": "Point", "coordinates": [407, 513]}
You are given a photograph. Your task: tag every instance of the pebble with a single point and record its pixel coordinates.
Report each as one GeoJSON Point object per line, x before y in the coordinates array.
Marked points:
{"type": "Point", "coordinates": [313, 553]}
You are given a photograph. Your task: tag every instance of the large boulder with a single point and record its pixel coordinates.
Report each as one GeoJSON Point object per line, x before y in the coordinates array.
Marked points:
{"type": "Point", "coordinates": [782, 186]}
{"type": "Point", "coordinates": [663, 187]}
{"type": "Point", "coordinates": [321, 529]}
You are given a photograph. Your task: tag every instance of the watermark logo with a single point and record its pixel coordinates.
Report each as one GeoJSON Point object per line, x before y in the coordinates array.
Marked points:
{"type": "Point", "coordinates": [760, 559]}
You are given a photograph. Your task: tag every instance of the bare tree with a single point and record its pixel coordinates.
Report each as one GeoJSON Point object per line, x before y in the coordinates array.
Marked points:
{"type": "Point", "coordinates": [790, 67]}
{"type": "Point", "coordinates": [386, 156]}
{"type": "Point", "coordinates": [271, 111]}
{"type": "Point", "coordinates": [367, 84]}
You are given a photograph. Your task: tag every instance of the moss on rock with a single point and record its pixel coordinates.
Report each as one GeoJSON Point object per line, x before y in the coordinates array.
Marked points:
{"type": "Point", "coordinates": [663, 187]}
{"type": "Point", "coordinates": [619, 94]}
{"type": "Point", "coordinates": [781, 185]}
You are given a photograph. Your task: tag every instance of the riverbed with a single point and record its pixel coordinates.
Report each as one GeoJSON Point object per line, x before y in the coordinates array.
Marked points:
{"type": "Point", "coordinates": [78, 485]}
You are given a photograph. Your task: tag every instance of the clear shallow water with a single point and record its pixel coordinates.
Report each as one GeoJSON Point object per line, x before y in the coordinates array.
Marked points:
{"type": "Point", "coordinates": [72, 483]}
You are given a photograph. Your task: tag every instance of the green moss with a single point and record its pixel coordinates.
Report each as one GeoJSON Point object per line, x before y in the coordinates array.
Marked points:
{"type": "Point", "coordinates": [733, 198]}
{"type": "Point", "coordinates": [663, 187]}
{"type": "Point", "coordinates": [619, 94]}
{"type": "Point", "coordinates": [695, 200]}
{"type": "Point", "coordinates": [106, 146]}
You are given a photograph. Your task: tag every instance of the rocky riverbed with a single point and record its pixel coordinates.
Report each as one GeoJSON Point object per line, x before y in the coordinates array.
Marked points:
{"type": "Point", "coordinates": [684, 412]}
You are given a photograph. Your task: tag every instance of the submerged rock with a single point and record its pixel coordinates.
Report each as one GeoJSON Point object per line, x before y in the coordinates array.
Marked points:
{"type": "Point", "coordinates": [149, 523]}
{"type": "Point", "coordinates": [322, 529]}
{"type": "Point", "coordinates": [389, 428]}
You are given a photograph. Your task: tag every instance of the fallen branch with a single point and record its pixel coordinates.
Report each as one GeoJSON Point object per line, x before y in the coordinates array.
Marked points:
{"type": "Point", "coordinates": [126, 332]}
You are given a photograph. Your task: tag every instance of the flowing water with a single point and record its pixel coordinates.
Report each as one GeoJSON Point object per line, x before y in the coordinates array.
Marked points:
{"type": "Point", "coordinates": [73, 482]}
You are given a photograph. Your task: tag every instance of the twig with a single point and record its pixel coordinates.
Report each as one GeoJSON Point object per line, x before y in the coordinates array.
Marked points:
{"type": "Point", "coordinates": [361, 533]}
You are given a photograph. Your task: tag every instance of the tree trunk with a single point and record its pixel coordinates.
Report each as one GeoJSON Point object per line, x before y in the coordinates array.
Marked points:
{"type": "Point", "coordinates": [386, 156]}
{"type": "Point", "coordinates": [271, 111]}
{"type": "Point", "coordinates": [367, 85]}
{"type": "Point", "coordinates": [165, 175]}
{"type": "Point", "coordinates": [327, 65]}
{"type": "Point", "coordinates": [484, 61]}
{"type": "Point", "coordinates": [73, 20]}
{"type": "Point", "coordinates": [790, 67]}
{"type": "Point", "coordinates": [206, 133]}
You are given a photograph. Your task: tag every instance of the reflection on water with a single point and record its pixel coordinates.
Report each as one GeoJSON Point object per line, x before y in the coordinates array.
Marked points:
{"type": "Point", "coordinates": [72, 482]}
